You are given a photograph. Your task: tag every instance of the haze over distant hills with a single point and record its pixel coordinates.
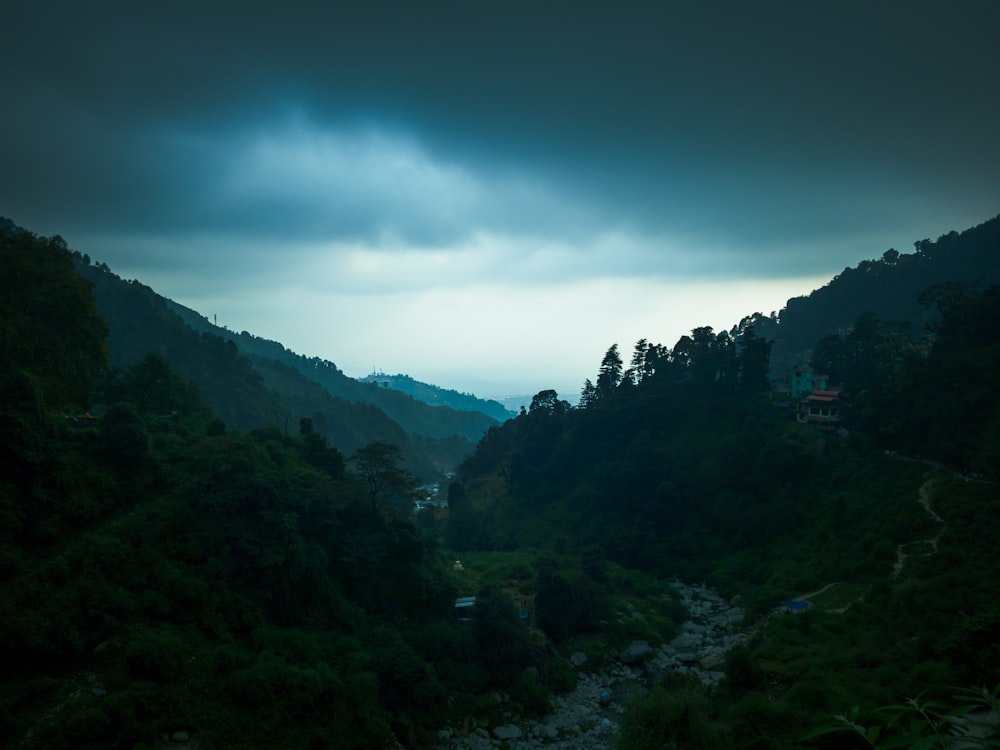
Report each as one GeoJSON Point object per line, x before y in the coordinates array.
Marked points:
{"type": "Point", "coordinates": [888, 286]}
{"type": "Point", "coordinates": [432, 394]}
{"type": "Point", "coordinates": [290, 385]}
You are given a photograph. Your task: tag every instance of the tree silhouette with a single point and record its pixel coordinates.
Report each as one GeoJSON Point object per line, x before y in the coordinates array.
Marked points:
{"type": "Point", "coordinates": [610, 374]}
{"type": "Point", "coordinates": [49, 323]}
{"type": "Point", "coordinates": [380, 467]}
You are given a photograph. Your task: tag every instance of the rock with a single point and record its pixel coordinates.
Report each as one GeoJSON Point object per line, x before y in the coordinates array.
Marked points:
{"type": "Point", "coordinates": [546, 730]}
{"type": "Point", "coordinates": [636, 652]}
{"type": "Point", "coordinates": [507, 732]}
{"type": "Point", "coordinates": [590, 711]}
{"type": "Point", "coordinates": [710, 661]}
{"type": "Point", "coordinates": [180, 736]}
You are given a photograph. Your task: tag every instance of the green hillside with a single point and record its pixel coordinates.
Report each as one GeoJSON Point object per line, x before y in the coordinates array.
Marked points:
{"type": "Point", "coordinates": [891, 287]}
{"type": "Point", "coordinates": [167, 579]}
{"type": "Point", "coordinates": [250, 390]}
{"type": "Point", "coordinates": [436, 396]}
{"type": "Point", "coordinates": [415, 416]}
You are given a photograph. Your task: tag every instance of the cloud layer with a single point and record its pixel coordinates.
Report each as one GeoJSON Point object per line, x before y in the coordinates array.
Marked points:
{"type": "Point", "coordinates": [535, 176]}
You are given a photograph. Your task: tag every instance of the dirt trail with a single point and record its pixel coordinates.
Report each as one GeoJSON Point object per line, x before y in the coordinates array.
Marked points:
{"type": "Point", "coordinates": [815, 593]}
{"type": "Point", "coordinates": [924, 498]}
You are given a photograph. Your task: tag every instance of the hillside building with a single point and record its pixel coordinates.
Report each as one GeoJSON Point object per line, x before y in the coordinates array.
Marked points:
{"type": "Point", "coordinates": [821, 409]}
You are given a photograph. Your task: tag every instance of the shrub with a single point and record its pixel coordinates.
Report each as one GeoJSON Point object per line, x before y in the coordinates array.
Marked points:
{"type": "Point", "coordinates": [500, 636]}
{"type": "Point", "coordinates": [123, 438]}
{"type": "Point", "coordinates": [155, 655]}
{"type": "Point", "coordinates": [665, 720]}
{"type": "Point", "coordinates": [742, 673]}
{"type": "Point", "coordinates": [531, 694]}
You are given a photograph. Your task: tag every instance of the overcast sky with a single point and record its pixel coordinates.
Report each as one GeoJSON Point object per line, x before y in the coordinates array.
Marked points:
{"type": "Point", "coordinates": [487, 195]}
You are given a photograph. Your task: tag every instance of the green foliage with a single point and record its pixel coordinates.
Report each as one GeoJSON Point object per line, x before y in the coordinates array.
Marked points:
{"type": "Point", "coordinates": [742, 672]}
{"type": "Point", "coordinates": [203, 575]}
{"type": "Point", "coordinates": [160, 572]}
{"type": "Point", "coordinates": [667, 719]}
{"type": "Point", "coordinates": [530, 694]}
{"type": "Point", "coordinates": [123, 438]}
{"type": "Point", "coordinates": [920, 724]}
{"type": "Point", "coordinates": [156, 655]}
{"type": "Point", "coordinates": [320, 454]}
{"type": "Point", "coordinates": [501, 639]}
{"type": "Point", "coordinates": [391, 487]}
{"type": "Point", "coordinates": [463, 530]}
{"type": "Point", "coordinates": [49, 320]}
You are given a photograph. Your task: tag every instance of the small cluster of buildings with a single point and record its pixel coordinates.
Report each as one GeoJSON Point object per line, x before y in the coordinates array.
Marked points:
{"type": "Point", "coordinates": [815, 403]}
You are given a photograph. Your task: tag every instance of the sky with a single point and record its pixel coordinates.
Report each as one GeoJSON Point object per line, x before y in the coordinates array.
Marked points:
{"type": "Point", "coordinates": [488, 195]}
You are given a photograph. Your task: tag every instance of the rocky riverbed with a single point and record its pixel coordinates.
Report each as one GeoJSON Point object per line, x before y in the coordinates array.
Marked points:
{"type": "Point", "coordinates": [589, 717]}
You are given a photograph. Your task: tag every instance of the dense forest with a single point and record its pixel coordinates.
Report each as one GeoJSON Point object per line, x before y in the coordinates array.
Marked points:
{"type": "Point", "coordinates": [890, 287]}
{"type": "Point", "coordinates": [167, 573]}
{"type": "Point", "coordinates": [251, 383]}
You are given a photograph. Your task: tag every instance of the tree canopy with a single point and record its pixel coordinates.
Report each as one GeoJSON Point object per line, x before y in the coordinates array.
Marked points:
{"type": "Point", "coordinates": [49, 319]}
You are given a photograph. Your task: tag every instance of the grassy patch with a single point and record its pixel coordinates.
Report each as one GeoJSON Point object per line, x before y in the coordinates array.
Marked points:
{"type": "Point", "coordinates": [513, 571]}
{"type": "Point", "coordinates": [839, 596]}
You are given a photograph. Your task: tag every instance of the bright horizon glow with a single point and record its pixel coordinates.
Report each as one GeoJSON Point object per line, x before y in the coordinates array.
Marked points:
{"type": "Point", "coordinates": [536, 338]}
{"type": "Point", "coordinates": [442, 192]}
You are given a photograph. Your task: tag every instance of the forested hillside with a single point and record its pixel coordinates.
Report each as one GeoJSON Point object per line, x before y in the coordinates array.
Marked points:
{"type": "Point", "coordinates": [167, 579]}
{"type": "Point", "coordinates": [890, 287]}
{"type": "Point", "coordinates": [412, 414]}
{"type": "Point", "coordinates": [436, 396]}
{"type": "Point", "coordinates": [249, 390]}
{"type": "Point", "coordinates": [164, 576]}
{"type": "Point", "coordinates": [680, 465]}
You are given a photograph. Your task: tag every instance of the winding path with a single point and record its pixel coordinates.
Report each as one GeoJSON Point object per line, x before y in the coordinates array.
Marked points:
{"type": "Point", "coordinates": [924, 498]}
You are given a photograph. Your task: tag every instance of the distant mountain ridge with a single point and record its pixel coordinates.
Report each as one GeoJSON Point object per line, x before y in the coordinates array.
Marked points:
{"type": "Point", "coordinates": [413, 415]}
{"type": "Point", "coordinates": [437, 396]}
{"type": "Point", "coordinates": [252, 383]}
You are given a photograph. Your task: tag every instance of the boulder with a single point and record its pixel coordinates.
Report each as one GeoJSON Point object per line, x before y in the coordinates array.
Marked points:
{"type": "Point", "coordinates": [578, 658]}
{"type": "Point", "coordinates": [546, 730]}
{"type": "Point", "coordinates": [636, 652]}
{"type": "Point", "coordinates": [507, 732]}
{"type": "Point", "coordinates": [710, 661]}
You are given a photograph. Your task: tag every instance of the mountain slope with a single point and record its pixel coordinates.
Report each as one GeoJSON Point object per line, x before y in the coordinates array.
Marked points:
{"type": "Point", "coordinates": [247, 392]}
{"type": "Point", "coordinates": [436, 396]}
{"type": "Point", "coordinates": [414, 416]}
{"type": "Point", "coordinates": [889, 287]}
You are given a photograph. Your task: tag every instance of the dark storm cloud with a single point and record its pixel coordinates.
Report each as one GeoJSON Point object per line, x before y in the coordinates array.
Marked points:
{"type": "Point", "coordinates": [743, 127]}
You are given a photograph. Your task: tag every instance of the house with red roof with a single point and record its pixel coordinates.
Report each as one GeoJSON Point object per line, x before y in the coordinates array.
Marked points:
{"type": "Point", "coordinates": [821, 409]}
